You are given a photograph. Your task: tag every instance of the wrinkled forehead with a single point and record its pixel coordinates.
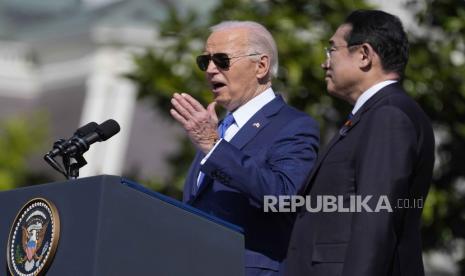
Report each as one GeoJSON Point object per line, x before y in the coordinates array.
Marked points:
{"type": "Point", "coordinates": [227, 41]}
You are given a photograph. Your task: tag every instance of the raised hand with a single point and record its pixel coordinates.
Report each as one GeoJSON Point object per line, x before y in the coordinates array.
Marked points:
{"type": "Point", "coordinates": [199, 123]}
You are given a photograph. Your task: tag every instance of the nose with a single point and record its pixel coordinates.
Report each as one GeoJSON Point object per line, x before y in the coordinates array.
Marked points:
{"type": "Point", "coordinates": [211, 68]}
{"type": "Point", "coordinates": [325, 64]}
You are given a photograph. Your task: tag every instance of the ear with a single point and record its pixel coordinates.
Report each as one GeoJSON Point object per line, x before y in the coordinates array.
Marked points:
{"type": "Point", "coordinates": [367, 56]}
{"type": "Point", "coordinates": [263, 66]}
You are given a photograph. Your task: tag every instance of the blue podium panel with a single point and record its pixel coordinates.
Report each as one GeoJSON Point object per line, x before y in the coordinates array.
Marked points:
{"type": "Point", "coordinates": [112, 226]}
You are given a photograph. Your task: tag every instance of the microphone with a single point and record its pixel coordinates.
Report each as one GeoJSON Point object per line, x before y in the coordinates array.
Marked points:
{"type": "Point", "coordinates": [86, 129]}
{"type": "Point", "coordinates": [60, 145]}
{"type": "Point", "coordinates": [79, 145]}
{"type": "Point", "coordinates": [71, 150]}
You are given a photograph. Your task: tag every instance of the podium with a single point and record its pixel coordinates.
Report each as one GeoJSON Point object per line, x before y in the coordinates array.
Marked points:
{"type": "Point", "coordinates": [112, 226]}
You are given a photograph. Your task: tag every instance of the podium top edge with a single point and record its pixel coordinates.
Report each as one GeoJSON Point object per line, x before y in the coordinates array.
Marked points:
{"type": "Point", "coordinates": [182, 205]}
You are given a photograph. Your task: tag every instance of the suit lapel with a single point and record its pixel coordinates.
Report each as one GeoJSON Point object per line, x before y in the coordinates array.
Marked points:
{"type": "Point", "coordinates": [249, 130]}
{"type": "Point", "coordinates": [257, 122]}
{"type": "Point", "coordinates": [344, 131]}
{"type": "Point", "coordinates": [320, 159]}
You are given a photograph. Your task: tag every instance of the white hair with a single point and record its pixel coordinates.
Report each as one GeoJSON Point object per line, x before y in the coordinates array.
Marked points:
{"type": "Point", "coordinates": [260, 39]}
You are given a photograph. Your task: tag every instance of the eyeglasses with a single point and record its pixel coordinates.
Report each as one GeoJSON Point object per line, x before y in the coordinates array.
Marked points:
{"type": "Point", "coordinates": [221, 60]}
{"type": "Point", "coordinates": [329, 50]}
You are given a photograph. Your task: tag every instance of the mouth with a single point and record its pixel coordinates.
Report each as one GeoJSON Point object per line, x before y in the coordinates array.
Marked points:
{"type": "Point", "coordinates": [216, 86]}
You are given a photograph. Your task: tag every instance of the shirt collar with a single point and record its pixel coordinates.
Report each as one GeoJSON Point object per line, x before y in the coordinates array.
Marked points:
{"type": "Point", "coordinates": [370, 93]}
{"type": "Point", "coordinates": [246, 111]}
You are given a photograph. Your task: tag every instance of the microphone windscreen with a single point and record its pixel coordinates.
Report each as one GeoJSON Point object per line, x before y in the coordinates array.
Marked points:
{"type": "Point", "coordinates": [86, 129]}
{"type": "Point", "coordinates": [107, 129]}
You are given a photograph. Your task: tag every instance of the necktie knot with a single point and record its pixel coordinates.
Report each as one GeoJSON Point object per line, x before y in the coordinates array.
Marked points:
{"type": "Point", "coordinates": [225, 124]}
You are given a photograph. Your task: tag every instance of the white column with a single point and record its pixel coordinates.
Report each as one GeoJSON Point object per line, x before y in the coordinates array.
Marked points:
{"type": "Point", "coordinates": [109, 96]}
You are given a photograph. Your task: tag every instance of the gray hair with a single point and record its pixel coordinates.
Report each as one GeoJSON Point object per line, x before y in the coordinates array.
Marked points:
{"type": "Point", "coordinates": [260, 39]}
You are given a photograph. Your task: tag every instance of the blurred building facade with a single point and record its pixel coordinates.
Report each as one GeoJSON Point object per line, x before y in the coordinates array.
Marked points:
{"type": "Point", "coordinates": [67, 58]}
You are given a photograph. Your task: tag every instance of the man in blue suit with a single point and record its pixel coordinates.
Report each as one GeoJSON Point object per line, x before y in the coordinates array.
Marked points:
{"type": "Point", "coordinates": [262, 147]}
{"type": "Point", "coordinates": [383, 154]}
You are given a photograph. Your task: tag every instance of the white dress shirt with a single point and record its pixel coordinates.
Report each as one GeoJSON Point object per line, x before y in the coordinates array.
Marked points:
{"type": "Point", "coordinates": [370, 93]}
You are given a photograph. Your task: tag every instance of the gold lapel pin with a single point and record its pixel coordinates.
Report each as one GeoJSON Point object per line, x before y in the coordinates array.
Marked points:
{"type": "Point", "coordinates": [257, 125]}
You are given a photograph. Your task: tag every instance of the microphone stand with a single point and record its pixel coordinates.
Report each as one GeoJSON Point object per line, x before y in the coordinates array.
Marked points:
{"type": "Point", "coordinates": [71, 163]}
{"type": "Point", "coordinates": [74, 163]}
{"type": "Point", "coordinates": [52, 162]}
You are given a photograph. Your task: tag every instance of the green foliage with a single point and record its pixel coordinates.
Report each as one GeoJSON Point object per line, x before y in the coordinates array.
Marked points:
{"type": "Point", "coordinates": [19, 138]}
{"type": "Point", "coordinates": [434, 77]}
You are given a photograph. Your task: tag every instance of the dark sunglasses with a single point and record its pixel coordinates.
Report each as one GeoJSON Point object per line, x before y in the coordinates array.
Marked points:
{"type": "Point", "coordinates": [221, 60]}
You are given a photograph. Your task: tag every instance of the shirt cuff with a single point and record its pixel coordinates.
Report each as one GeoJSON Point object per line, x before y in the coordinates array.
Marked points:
{"type": "Point", "coordinates": [210, 152]}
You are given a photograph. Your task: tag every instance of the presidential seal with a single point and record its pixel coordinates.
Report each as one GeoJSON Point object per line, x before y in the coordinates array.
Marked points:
{"type": "Point", "coordinates": [33, 238]}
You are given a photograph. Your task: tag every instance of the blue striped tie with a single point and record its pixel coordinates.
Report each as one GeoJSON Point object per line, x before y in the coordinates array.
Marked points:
{"type": "Point", "coordinates": [225, 124]}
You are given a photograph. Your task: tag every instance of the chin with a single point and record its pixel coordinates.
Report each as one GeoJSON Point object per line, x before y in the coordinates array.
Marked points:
{"type": "Point", "coordinates": [334, 93]}
{"type": "Point", "coordinates": [331, 90]}
{"type": "Point", "coordinates": [221, 102]}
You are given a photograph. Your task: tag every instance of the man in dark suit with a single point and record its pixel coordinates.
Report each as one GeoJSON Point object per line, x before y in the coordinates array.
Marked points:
{"type": "Point", "coordinates": [378, 166]}
{"type": "Point", "coordinates": [262, 147]}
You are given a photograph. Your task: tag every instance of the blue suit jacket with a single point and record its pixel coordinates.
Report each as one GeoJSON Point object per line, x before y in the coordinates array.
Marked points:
{"type": "Point", "coordinates": [272, 154]}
